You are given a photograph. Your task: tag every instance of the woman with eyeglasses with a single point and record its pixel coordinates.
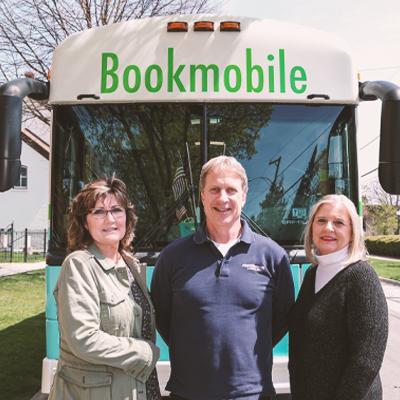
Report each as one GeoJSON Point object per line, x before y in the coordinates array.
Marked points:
{"type": "Point", "coordinates": [105, 315]}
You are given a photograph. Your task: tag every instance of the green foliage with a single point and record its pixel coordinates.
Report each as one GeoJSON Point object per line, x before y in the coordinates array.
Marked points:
{"type": "Point", "coordinates": [386, 268]}
{"type": "Point", "coordinates": [22, 334]}
{"type": "Point", "coordinates": [148, 145]}
{"type": "Point", "coordinates": [384, 245]}
{"type": "Point", "coordinates": [380, 219]}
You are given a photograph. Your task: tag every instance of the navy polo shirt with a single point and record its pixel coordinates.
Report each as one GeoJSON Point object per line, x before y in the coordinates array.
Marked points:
{"type": "Point", "coordinates": [220, 315]}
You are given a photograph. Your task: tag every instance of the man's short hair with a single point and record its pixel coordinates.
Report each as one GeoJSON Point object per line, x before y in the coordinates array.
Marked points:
{"type": "Point", "coordinates": [223, 162]}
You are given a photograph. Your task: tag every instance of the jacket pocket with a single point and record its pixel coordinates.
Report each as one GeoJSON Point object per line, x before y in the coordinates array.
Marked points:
{"type": "Point", "coordinates": [111, 298]}
{"type": "Point", "coordinates": [114, 312]}
{"type": "Point", "coordinates": [82, 384]}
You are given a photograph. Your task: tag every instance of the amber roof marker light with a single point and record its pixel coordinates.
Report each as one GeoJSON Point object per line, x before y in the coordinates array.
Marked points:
{"type": "Point", "coordinates": [177, 26]}
{"type": "Point", "coordinates": [204, 26]}
{"type": "Point", "coordinates": [229, 26]}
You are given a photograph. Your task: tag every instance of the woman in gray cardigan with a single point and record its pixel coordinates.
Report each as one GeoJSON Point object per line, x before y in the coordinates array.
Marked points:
{"type": "Point", "coordinates": [339, 324]}
{"type": "Point", "coordinates": [105, 315]}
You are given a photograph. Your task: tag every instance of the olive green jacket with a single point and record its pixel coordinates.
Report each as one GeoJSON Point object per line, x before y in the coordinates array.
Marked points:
{"type": "Point", "coordinates": [102, 353]}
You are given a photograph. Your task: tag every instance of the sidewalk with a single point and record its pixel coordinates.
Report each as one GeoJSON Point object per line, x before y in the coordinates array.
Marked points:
{"type": "Point", "coordinates": [17, 268]}
{"type": "Point", "coordinates": [7, 269]}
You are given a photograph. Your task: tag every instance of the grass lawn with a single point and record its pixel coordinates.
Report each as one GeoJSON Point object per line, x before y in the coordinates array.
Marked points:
{"type": "Point", "coordinates": [386, 268]}
{"type": "Point", "coordinates": [22, 334]}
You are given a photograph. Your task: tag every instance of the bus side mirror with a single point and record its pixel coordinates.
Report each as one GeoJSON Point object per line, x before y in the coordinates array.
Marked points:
{"type": "Point", "coordinates": [10, 140]}
{"type": "Point", "coordinates": [389, 151]}
{"type": "Point", "coordinates": [11, 97]}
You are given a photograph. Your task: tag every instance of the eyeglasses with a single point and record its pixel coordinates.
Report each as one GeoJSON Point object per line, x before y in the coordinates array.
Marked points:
{"type": "Point", "coordinates": [101, 213]}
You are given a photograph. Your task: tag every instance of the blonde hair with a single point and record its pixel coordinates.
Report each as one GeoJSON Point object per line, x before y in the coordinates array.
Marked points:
{"type": "Point", "coordinates": [78, 236]}
{"type": "Point", "coordinates": [357, 250]}
{"type": "Point", "coordinates": [223, 162]}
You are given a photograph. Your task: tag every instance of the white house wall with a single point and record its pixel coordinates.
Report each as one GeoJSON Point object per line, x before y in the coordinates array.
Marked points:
{"type": "Point", "coordinates": [28, 208]}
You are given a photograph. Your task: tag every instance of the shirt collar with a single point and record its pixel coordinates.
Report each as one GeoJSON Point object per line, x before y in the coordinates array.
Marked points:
{"type": "Point", "coordinates": [247, 235]}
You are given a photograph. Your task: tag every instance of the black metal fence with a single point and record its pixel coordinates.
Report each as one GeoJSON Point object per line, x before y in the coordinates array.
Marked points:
{"type": "Point", "coordinates": [26, 245]}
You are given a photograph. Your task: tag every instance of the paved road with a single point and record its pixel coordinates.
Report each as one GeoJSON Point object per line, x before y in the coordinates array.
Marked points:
{"type": "Point", "coordinates": [390, 372]}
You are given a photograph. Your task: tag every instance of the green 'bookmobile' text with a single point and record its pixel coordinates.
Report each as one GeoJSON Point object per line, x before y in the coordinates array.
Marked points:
{"type": "Point", "coordinates": [274, 77]}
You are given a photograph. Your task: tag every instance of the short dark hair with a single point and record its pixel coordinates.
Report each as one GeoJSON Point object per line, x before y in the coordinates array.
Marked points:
{"type": "Point", "coordinates": [78, 236]}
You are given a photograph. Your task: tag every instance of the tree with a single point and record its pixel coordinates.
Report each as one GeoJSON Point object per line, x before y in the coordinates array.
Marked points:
{"type": "Point", "coordinates": [30, 30]}
{"type": "Point", "coordinates": [380, 210]}
{"type": "Point", "coordinates": [148, 143]}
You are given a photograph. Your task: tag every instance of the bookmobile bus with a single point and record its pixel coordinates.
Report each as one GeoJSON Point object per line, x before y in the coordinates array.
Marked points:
{"type": "Point", "coordinates": [152, 100]}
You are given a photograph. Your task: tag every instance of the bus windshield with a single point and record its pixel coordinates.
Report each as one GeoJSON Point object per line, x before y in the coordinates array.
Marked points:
{"type": "Point", "coordinates": [293, 155]}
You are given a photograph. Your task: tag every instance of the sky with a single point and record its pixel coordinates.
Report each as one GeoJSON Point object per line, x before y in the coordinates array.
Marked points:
{"type": "Point", "coordinates": [371, 29]}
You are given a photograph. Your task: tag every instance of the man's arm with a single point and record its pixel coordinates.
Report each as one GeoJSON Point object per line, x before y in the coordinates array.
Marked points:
{"type": "Point", "coordinates": [282, 301]}
{"type": "Point", "coordinates": [161, 295]}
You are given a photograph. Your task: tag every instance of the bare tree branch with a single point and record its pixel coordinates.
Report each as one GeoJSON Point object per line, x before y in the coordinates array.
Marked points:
{"type": "Point", "coordinates": [30, 30]}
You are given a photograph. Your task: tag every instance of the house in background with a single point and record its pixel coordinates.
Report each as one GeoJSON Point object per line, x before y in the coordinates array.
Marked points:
{"type": "Point", "coordinates": [26, 205]}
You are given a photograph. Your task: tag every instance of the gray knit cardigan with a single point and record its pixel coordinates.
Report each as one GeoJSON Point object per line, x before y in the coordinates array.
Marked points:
{"type": "Point", "coordinates": [338, 336]}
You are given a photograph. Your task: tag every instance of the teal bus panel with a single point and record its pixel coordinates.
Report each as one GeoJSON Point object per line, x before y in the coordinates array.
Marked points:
{"type": "Point", "coordinates": [281, 349]}
{"type": "Point", "coordinates": [302, 270]}
{"type": "Point", "coordinates": [52, 273]}
{"type": "Point", "coordinates": [164, 354]}
{"type": "Point", "coordinates": [298, 271]}
{"type": "Point", "coordinates": [52, 339]}
{"type": "Point", "coordinates": [296, 274]}
{"type": "Point", "coordinates": [52, 332]}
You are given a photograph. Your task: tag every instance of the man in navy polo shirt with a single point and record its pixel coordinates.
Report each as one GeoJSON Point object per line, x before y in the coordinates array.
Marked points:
{"type": "Point", "coordinates": [222, 296]}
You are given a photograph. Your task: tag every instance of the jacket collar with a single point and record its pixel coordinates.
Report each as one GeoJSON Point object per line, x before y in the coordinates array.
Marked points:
{"type": "Point", "coordinates": [247, 235]}
{"type": "Point", "coordinates": [108, 265]}
{"type": "Point", "coordinates": [104, 262]}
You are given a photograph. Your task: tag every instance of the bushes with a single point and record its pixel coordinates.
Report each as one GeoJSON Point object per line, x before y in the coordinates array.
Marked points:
{"type": "Point", "coordinates": [380, 219]}
{"type": "Point", "coordinates": [388, 245]}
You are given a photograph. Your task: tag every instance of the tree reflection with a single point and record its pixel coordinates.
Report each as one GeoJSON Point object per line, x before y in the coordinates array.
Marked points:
{"type": "Point", "coordinates": [273, 208]}
{"type": "Point", "coordinates": [150, 147]}
{"type": "Point", "coordinates": [239, 127]}
{"type": "Point", "coordinates": [144, 145]}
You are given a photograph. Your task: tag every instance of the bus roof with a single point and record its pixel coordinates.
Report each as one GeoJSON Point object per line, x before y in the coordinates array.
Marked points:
{"type": "Point", "coordinates": [139, 61]}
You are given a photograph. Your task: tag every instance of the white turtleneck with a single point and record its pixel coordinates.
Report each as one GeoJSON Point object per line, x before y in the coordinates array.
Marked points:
{"type": "Point", "coordinates": [329, 265]}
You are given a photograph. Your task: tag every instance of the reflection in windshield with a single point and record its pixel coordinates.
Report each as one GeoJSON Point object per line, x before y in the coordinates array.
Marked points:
{"type": "Point", "coordinates": [293, 154]}
{"type": "Point", "coordinates": [297, 156]}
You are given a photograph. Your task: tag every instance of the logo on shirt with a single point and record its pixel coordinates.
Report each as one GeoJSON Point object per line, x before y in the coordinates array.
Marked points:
{"type": "Point", "coordinates": [254, 267]}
